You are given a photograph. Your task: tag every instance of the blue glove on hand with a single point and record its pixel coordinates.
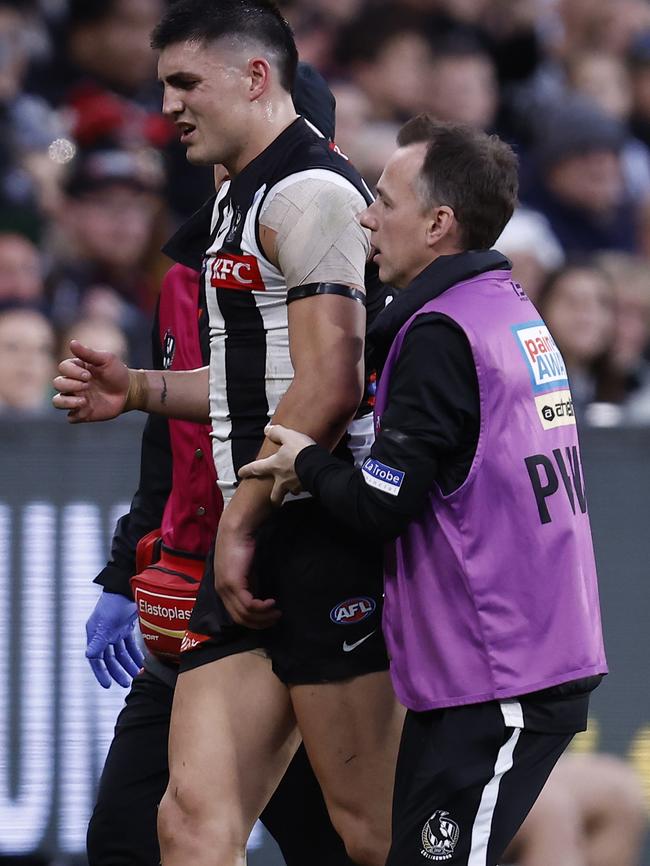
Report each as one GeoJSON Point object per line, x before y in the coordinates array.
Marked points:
{"type": "Point", "coordinates": [111, 646]}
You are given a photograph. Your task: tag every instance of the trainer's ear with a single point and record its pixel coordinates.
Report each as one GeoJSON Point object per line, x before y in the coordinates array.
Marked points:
{"type": "Point", "coordinates": [441, 224]}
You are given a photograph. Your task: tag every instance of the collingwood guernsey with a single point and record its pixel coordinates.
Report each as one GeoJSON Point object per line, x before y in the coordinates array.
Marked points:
{"type": "Point", "coordinates": [247, 297]}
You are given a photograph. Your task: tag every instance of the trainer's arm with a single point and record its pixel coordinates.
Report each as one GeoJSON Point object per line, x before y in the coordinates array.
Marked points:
{"type": "Point", "coordinates": [431, 419]}
{"type": "Point", "coordinates": [429, 433]}
{"type": "Point", "coordinates": [97, 386]}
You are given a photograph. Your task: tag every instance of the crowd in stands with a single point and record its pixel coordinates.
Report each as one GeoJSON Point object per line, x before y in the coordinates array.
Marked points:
{"type": "Point", "coordinates": [93, 179]}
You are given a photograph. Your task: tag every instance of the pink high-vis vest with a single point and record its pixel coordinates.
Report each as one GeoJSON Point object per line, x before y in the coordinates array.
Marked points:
{"type": "Point", "coordinates": [492, 593]}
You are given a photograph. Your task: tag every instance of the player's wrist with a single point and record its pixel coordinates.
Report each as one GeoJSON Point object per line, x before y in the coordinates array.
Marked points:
{"type": "Point", "coordinates": [136, 395]}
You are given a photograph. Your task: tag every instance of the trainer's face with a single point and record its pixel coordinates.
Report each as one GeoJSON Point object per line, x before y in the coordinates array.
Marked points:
{"type": "Point", "coordinates": [399, 228]}
{"type": "Point", "coordinates": [205, 95]}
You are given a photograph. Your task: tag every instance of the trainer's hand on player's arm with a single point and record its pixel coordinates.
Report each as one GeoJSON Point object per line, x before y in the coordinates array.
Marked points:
{"type": "Point", "coordinates": [233, 560]}
{"type": "Point", "coordinates": [281, 465]}
{"type": "Point", "coordinates": [93, 385]}
{"type": "Point", "coordinates": [111, 647]}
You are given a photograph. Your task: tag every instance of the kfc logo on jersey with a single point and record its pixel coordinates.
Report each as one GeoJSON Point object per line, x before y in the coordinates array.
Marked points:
{"type": "Point", "coordinates": [352, 610]}
{"type": "Point", "coordinates": [241, 273]}
{"type": "Point", "coordinates": [543, 358]}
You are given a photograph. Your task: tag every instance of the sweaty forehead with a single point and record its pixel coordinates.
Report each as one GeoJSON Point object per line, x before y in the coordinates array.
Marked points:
{"type": "Point", "coordinates": [198, 58]}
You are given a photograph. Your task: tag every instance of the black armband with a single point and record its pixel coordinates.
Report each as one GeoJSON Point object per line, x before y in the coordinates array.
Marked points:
{"type": "Point", "coordinates": [311, 289]}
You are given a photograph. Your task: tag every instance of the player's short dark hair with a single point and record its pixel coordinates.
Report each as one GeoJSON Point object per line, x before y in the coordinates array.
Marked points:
{"type": "Point", "coordinates": [472, 172]}
{"type": "Point", "coordinates": [208, 20]}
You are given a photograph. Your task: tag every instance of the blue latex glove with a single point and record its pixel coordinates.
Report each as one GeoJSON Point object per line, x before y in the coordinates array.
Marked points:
{"type": "Point", "coordinates": [111, 645]}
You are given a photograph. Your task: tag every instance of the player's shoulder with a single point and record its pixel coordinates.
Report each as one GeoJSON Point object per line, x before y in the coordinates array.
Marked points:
{"type": "Point", "coordinates": [316, 182]}
{"type": "Point", "coordinates": [314, 157]}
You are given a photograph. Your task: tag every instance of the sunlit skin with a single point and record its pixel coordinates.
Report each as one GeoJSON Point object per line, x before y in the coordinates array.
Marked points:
{"type": "Point", "coordinates": [227, 104]}
{"type": "Point", "coordinates": [406, 236]}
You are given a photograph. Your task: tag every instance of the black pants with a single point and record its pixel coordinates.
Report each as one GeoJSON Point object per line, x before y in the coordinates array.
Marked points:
{"type": "Point", "coordinates": [122, 830]}
{"type": "Point", "coordinates": [465, 782]}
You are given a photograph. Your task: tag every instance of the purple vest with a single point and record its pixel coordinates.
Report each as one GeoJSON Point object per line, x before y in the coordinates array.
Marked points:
{"type": "Point", "coordinates": [491, 593]}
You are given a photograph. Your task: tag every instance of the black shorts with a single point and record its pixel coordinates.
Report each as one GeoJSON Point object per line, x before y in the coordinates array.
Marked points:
{"type": "Point", "coordinates": [328, 583]}
{"type": "Point", "coordinates": [465, 782]}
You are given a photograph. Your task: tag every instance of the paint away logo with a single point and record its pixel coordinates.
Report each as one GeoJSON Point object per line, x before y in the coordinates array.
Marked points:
{"type": "Point", "coordinates": [543, 358]}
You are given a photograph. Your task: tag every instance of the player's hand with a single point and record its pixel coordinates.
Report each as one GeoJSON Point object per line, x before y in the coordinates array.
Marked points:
{"type": "Point", "coordinates": [281, 464]}
{"type": "Point", "coordinates": [92, 386]}
{"type": "Point", "coordinates": [111, 645]}
{"type": "Point", "coordinates": [233, 560]}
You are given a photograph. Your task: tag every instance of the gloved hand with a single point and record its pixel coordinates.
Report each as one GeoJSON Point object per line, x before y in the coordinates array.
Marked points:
{"type": "Point", "coordinates": [111, 646]}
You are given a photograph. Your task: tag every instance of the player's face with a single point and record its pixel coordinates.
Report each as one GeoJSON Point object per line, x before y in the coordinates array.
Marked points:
{"type": "Point", "coordinates": [398, 226]}
{"type": "Point", "coordinates": [205, 95]}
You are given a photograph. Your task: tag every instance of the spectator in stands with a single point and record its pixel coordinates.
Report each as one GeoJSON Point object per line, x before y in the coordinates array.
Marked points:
{"type": "Point", "coordinates": [97, 331]}
{"type": "Point", "coordinates": [604, 79]}
{"type": "Point", "coordinates": [105, 235]}
{"type": "Point", "coordinates": [533, 249]}
{"type": "Point", "coordinates": [577, 304]}
{"type": "Point", "coordinates": [628, 383]}
{"type": "Point", "coordinates": [578, 181]}
{"type": "Point", "coordinates": [607, 25]}
{"type": "Point", "coordinates": [105, 42]}
{"type": "Point", "coordinates": [104, 73]}
{"type": "Point", "coordinates": [21, 270]}
{"type": "Point", "coordinates": [388, 56]}
{"type": "Point", "coordinates": [464, 85]}
{"type": "Point", "coordinates": [27, 358]}
{"type": "Point", "coordinates": [28, 126]}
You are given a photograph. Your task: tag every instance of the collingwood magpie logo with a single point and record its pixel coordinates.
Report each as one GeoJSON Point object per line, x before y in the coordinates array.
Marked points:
{"type": "Point", "coordinates": [168, 347]}
{"type": "Point", "coordinates": [234, 226]}
{"type": "Point", "coordinates": [439, 837]}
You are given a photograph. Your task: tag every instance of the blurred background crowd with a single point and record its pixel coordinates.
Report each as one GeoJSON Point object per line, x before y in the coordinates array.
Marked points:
{"type": "Point", "coordinates": [92, 178]}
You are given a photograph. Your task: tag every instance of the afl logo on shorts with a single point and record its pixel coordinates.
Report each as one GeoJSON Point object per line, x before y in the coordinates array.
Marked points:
{"type": "Point", "coordinates": [352, 610]}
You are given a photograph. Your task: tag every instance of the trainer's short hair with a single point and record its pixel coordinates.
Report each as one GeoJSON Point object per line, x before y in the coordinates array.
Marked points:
{"type": "Point", "coordinates": [208, 20]}
{"type": "Point", "coordinates": [474, 173]}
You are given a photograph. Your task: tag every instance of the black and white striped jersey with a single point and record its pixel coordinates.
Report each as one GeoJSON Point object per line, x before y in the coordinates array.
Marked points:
{"type": "Point", "coordinates": [250, 366]}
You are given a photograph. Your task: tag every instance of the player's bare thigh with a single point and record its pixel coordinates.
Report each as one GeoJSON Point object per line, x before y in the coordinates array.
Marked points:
{"type": "Point", "coordinates": [351, 730]}
{"type": "Point", "coordinates": [232, 736]}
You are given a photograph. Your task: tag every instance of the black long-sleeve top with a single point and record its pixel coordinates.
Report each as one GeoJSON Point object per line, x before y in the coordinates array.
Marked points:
{"type": "Point", "coordinates": [429, 429]}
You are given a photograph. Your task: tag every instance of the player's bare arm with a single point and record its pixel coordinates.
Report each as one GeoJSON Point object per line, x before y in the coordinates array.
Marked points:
{"type": "Point", "coordinates": [97, 386]}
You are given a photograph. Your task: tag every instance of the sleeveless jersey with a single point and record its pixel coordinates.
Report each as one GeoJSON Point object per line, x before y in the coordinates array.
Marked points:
{"type": "Point", "coordinates": [491, 593]}
{"type": "Point", "coordinates": [250, 367]}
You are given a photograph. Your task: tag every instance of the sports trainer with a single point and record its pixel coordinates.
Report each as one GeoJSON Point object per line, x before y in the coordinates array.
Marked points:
{"type": "Point", "coordinates": [288, 300]}
{"type": "Point", "coordinates": [491, 614]}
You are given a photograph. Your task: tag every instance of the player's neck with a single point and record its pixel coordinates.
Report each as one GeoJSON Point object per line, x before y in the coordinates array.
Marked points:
{"type": "Point", "coordinates": [266, 125]}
